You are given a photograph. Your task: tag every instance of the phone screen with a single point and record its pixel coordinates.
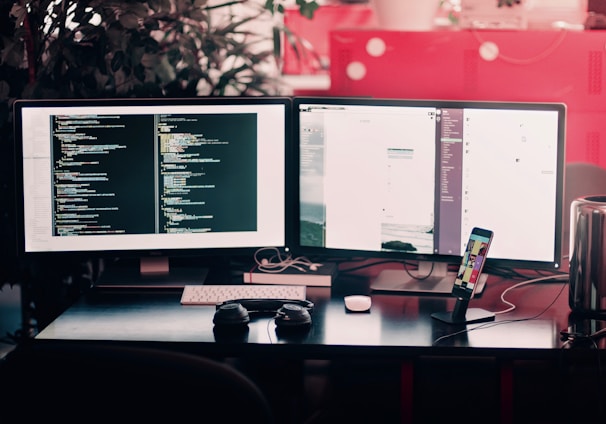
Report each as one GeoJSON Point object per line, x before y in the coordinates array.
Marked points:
{"type": "Point", "coordinates": [472, 263]}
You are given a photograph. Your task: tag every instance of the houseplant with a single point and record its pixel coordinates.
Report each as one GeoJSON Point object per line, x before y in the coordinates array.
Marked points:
{"type": "Point", "coordinates": [131, 48]}
{"type": "Point", "coordinates": [141, 47]}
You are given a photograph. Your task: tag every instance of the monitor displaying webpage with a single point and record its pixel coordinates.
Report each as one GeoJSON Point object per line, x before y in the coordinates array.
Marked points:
{"type": "Point", "coordinates": [418, 178]}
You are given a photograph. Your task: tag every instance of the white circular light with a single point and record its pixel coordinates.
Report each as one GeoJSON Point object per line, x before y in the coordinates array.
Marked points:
{"type": "Point", "coordinates": [375, 47]}
{"type": "Point", "coordinates": [356, 71]}
{"type": "Point", "coordinates": [489, 51]}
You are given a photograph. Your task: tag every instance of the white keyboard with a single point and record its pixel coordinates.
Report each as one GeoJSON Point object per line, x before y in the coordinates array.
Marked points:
{"type": "Point", "coordinates": [213, 294]}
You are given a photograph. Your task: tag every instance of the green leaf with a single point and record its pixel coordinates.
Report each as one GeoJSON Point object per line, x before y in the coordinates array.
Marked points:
{"type": "Point", "coordinates": [12, 54]}
{"type": "Point", "coordinates": [117, 61]}
{"type": "Point", "coordinates": [307, 8]}
{"type": "Point", "coordinates": [4, 90]}
{"type": "Point", "coordinates": [159, 5]}
{"type": "Point", "coordinates": [140, 10]}
{"type": "Point", "coordinates": [277, 39]}
{"type": "Point", "coordinates": [19, 13]}
{"type": "Point", "coordinates": [129, 20]}
{"type": "Point", "coordinates": [270, 5]}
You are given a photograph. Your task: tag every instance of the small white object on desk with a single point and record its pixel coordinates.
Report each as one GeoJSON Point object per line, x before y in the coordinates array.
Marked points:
{"type": "Point", "coordinates": [357, 303]}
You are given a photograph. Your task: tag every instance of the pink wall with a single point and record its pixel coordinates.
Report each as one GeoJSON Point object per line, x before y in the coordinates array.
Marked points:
{"type": "Point", "coordinates": [558, 66]}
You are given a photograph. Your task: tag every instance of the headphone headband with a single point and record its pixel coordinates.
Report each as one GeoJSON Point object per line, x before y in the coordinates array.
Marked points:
{"type": "Point", "coordinates": [289, 314]}
{"type": "Point", "coordinates": [267, 305]}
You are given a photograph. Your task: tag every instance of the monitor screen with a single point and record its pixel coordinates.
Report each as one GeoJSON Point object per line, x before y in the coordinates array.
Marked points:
{"type": "Point", "coordinates": [409, 179]}
{"type": "Point", "coordinates": [151, 177]}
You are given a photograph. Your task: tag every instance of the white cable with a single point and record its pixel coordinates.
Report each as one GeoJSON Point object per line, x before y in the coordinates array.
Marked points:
{"type": "Point", "coordinates": [519, 61]}
{"type": "Point", "coordinates": [277, 263]}
{"type": "Point", "coordinates": [524, 283]}
{"type": "Point", "coordinates": [560, 277]}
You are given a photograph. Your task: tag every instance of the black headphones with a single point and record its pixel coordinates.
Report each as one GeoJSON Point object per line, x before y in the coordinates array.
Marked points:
{"type": "Point", "coordinates": [288, 313]}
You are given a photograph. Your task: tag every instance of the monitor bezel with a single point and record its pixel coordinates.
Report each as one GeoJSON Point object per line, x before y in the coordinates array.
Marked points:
{"type": "Point", "coordinates": [491, 263]}
{"type": "Point", "coordinates": [21, 104]}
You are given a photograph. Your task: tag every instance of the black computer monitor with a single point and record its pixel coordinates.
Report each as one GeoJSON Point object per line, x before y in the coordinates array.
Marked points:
{"type": "Point", "coordinates": [409, 179]}
{"type": "Point", "coordinates": [152, 179]}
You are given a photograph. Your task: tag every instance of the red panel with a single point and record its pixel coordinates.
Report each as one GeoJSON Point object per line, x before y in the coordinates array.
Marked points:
{"type": "Point", "coordinates": [556, 66]}
{"type": "Point", "coordinates": [407, 391]}
{"type": "Point", "coordinates": [506, 392]}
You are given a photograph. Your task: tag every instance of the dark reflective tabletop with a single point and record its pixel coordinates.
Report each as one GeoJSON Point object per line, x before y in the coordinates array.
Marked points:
{"type": "Point", "coordinates": [397, 324]}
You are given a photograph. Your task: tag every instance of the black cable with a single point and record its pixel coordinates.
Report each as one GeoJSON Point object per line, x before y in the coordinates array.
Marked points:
{"type": "Point", "coordinates": [415, 277]}
{"type": "Point", "coordinates": [496, 323]}
{"type": "Point", "coordinates": [372, 264]}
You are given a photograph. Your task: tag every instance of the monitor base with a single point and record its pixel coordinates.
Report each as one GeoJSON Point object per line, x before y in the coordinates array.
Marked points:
{"type": "Point", "coordinates": [430, 278]}
{"type": "Point", "coordinates": [151, 273]}
{"type": "Point", "coordinates": [471, 316]}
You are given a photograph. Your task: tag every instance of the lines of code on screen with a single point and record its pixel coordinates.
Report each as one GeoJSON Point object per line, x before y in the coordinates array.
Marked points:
{"type": "Point", "coordinates": [163, 173]}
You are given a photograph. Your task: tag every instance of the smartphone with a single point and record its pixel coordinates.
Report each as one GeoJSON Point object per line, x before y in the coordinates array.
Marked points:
{"type": "Point", "coordinates": [472, 263]}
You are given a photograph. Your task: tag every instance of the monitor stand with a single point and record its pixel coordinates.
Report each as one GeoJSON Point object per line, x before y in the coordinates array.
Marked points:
{"type": "Point", "coordinates": [461, 315]}
{"type": "Point", "coordinates": [151, 272]}
{"type": "Point", "coordinates": [429, 278]}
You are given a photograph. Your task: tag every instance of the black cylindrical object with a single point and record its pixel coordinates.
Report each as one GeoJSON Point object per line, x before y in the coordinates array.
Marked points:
{"type": "Point", "coordinates": [588, 254]}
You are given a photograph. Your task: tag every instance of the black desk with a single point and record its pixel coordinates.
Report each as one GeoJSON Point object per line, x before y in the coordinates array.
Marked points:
{"type": "Point", "coordinates": [398, 327]}
{"type": "Point", "coordinates": [395, 324]}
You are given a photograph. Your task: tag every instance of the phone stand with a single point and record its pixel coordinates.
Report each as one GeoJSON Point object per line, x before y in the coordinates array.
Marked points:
{"type": "Point", "coordinates": [462, 315]}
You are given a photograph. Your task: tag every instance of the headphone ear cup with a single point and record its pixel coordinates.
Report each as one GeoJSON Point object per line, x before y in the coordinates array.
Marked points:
{"type": "Point", "coordinates": [291, 315]}
{"type": "Point", "coordinates": [231, 315]}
